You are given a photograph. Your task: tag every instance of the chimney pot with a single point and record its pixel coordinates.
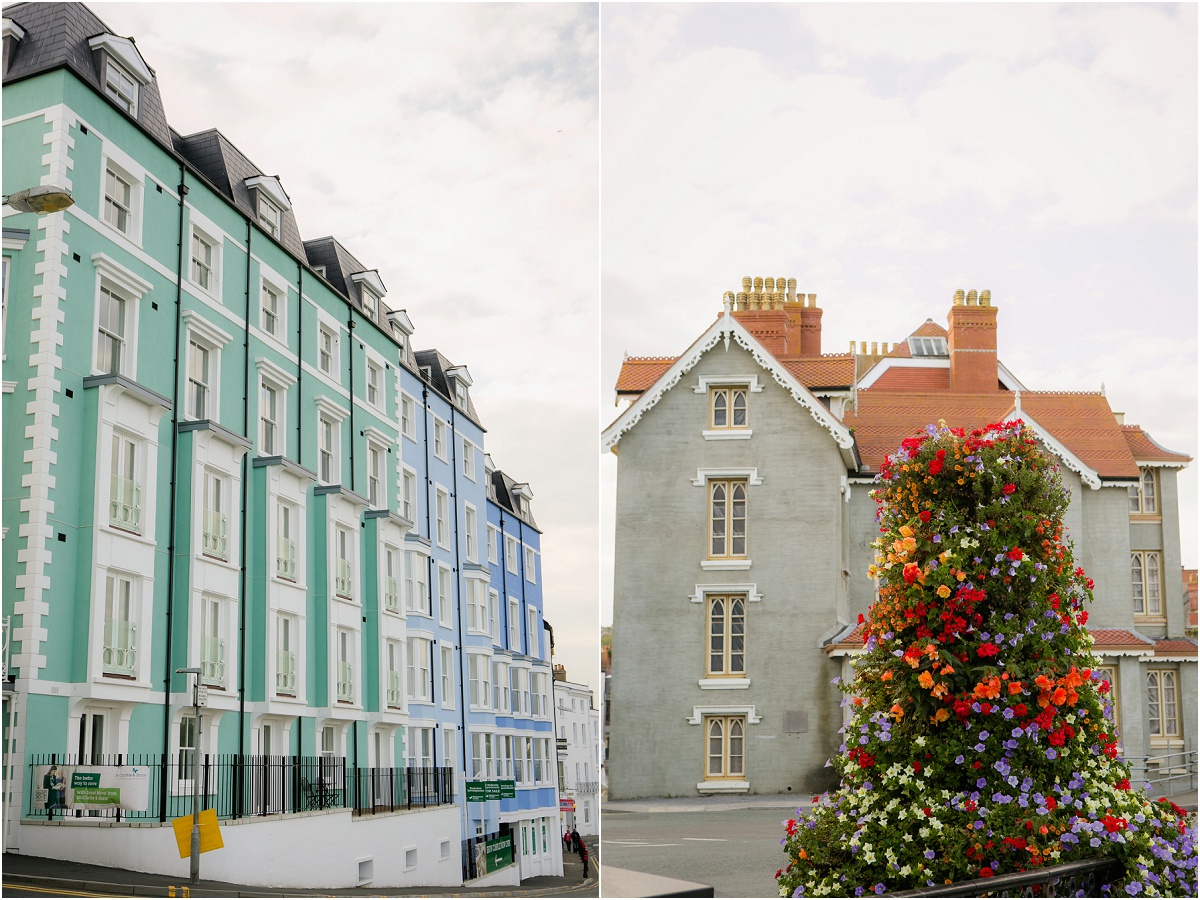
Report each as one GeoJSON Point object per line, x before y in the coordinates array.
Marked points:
{"type": "Point", "coordinates": [812, 299]}
{"type": "Point", "coordinates": [972, 297]}
{"type": "Point", "coordinates": [758, 285]}
{"type": "Point", "coordinates": [862, 348]}
{"type": "Point", "coordinates": [985, 298]}
{"type": "Point", "coordinates": [746, 284]}
{"type": "Point", "coordinates": [741, 300]}
{"type": "Point", "coordinates": [770, 285]}
{"type": "Point", "coordinates": [852, 346]}
{"type": "Point", "coordinates": [874, 348]}
{"type": "Point", "coordinates": [958, 297]}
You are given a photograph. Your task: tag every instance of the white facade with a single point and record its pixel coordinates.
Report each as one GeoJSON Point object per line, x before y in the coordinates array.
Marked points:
{"type": "Point", "coordinates": [577, 720]}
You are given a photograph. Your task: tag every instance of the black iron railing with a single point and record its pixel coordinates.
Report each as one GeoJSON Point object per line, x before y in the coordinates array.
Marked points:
{"type": "Point", "coordinates": [239, 786]}
{"type": "Point", "coordinates": [1064, 880]}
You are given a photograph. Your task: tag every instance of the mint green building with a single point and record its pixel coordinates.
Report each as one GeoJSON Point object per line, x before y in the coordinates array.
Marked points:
{"type": "Point", "coordinates": [223, 454]}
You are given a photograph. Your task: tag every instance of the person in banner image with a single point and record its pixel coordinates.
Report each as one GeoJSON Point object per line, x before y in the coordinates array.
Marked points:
{"type": "Point", "coordinates": [56, 789]}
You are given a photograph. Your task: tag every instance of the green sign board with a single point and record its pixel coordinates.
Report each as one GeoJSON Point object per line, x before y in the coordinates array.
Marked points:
{"type": "Point", "coordinates": [499, 852]}
{"type": "Point", "coordinates": [479, 791]}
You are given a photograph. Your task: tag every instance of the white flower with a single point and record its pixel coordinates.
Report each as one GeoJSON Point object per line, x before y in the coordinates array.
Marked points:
{"type": "Point", "coordinates": [920, 741]}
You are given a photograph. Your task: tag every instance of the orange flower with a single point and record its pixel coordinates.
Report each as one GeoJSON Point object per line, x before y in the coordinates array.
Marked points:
{"type": "Point", "coordinates": [941, 691]}
{"type": "Point", "coordinates": [1058, 697]}
{"type": "Point", "coordinates": [947, 670]}
{"type": "Point", "coordinates": [906, 531]}
{"type": "Point", "coordinates": [943, 591]}
{"type": "Point", "coordinates": [925, 680]}
{"type": "Point", "coordinates": [989, 689]}
{"type": "Point", "coordinates": [941, 715]}
{"type": "Point", "coordinates": [1043, 682]}
{"type": "Point", "coordinates": [886, 676]}
{"type": "Point", "coordinates": [897, 711]}
{"type": "Point", "coordinates": [858, 701]}
{"type": "Point", "coordinates": [1015, 687]}
{"type": "Point", "coordinates": [803, 853]}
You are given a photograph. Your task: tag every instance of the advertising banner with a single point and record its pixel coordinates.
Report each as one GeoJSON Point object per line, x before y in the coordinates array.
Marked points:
{"type": "Point", "coordinates": [498, 853]}
{"type": "Point", "coordinates": [91, 787]}
{"type": "Point", "coordinates": [566, 804]}
{"type": "Point", "coordinates": [479, 791]}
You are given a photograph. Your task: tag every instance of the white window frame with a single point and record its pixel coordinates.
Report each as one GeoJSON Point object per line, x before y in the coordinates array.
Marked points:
{"type": "Point", "coordinates": [203, 334]}
{"type": "Point", "coordinates": [408, 493]}
{"type": "Point", "coordinates": [344, 673]}
{"type": "Point", "coordinates": [535, 644]}
{"type": "Point", "coordinates": [377, 492]}
{"type": "Point", "coordinates": [510, 554]}
{"type": "Point", "coordinates": [329, 447]}
{"type": "Point", "coordinates": [217, 669]}
{"type": "Point", "coordinates": [327, 349]}
{"type": "Point", "coordinates": [113, 206]}
{"type": "Point", "coordinates": [442, 516]}
{"type": "Point", "coordinates": [215, 534]}
{"type": "Point", "coordinates": [445, 595]}
{"type": "Point", "coordinates": [726, 770]}
{"type": "Point", "coordinates": [514, 624]}
{"type": "Point", "coordinates": [120, 282]}
{"type": "Point", "coordinates": [119, 645]}
{"type": "Point", "coordinates": [493, 602]}
{"type": "Point", "coordinates": [287, 638]}
{"type": "Point", "coordinates": [479, 679]}
{"type": "Point", "coordinates": [408, 413]}
{"type": "Point", "coordinates": [125, 95]}
{"type": "Point", "coordinates": [470, 532]}
{"type": "Point", "coordinates": [493, 539]}
{"type": "Point", "coordinates": [344, 568]}
{"type": "Point", "coordinates": [215, 245]}
{"type": "Point", "coordinates": [416, 577]}
{"type": "Point", "coordinates": [530, 565]}
{"type": "Point", "coordinates": [439, 439]}
{"type": "Point", "coordinates": [478, 614]}
{"type": "Point", "coordinates": [447, 666]}
{"type": "Point", "coordinates": [270, 287]}
{"type": "Point", "coordinates": [468, 454]}
{"type": "Point", "coordinates": [418, 666]}
{"type": "Point", "coordinates": [374, 388]}
{"type": "Point", "coordinates": [391, 576]}
{"type": "Point", "coordinates": [269, 215]}
{"type": "Point", "coordinates": [1143, 502]}
{"type": "Point", "coordinates": [1147, 589]}
{"type": "Point", "coordinates": [1162, 695]}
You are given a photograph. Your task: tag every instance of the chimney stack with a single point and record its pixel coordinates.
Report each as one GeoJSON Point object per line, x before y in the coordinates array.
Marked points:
{"type": "Point", "coordinates": [973, 362]}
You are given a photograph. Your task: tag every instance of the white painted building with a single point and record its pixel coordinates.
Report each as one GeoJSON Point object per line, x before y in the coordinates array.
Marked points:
{"type": "Point", "coordinates": [577, 722]}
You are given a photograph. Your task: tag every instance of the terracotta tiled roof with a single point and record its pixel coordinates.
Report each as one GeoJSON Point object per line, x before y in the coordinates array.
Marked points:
{"type": "Point", "coordinates": [829, 370]}
{"type": "Point", "coordinates": [929, 328]}
{"type": "Point", "coordinates": [1175, 647]}
{"type": "Point", "coordinates": [1119, 639]}
{"type": "Point", "coordinates": [1144, 448]}
{"type": "Point", "coordinates": [851, 642]}
{"type": "Point", "coordinates": [639, 372]}
{"type": "Point", "coordinates": [916, 380]}
{"type": "Point", "coordinates": [1082, 422]}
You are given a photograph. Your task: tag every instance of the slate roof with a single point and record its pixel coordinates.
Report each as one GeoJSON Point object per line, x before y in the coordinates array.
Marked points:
{"type": "Point", "coordinates": [56, 35]}
{"type": "Point", "coordinates": [227, 168]}
{"type": "Point", "coordinates": [503, 486]}
{"type": "Point", "coordinates": [437, 366]}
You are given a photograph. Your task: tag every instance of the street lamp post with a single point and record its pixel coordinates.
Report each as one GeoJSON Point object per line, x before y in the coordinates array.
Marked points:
{"type": "Point", "coordinates": [195, 862]}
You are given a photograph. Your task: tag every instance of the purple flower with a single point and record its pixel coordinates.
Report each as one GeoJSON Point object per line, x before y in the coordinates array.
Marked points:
{"type": "Point", "coordinates": [929, 854]}
{"type": "Point", "coordinates": [880, 888]}
{"type": "Point", "coordinates": [981, 783]}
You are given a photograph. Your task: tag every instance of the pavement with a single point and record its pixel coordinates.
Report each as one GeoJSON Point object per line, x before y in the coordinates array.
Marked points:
{"type": "Point", "coordinates": [47, 876]}
{"type": "Point", "coordinates": [717, 803]}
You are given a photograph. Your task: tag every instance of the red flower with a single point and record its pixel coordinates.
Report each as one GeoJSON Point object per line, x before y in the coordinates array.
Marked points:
{"type": "Point", "coordinates": [1016, 554]}
{"type": "Point", "coordinates": [1009, 488]}
{"type": "Point", "coordinates": [925, 515]}
{"type": "Point", "coordinates": [988, 649]}
{"type": "Point", "coordinates": [976, 765]}
{"type": "Point", "coordinates": [927, 811]}
{"type": "Point", "coordinates": [911, 572]}
{"type": "Point", "coordinates": [935, 466]}
{"type": "Point", "coordinates": [1123, 784]}
{"type": "Point", "coordinates": [986, 872]}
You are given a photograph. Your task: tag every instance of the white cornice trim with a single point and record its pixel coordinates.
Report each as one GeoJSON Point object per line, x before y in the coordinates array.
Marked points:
{"type": "Point", "coordinates": [12, 29]}
{"type": "Point", "coordinates": [750, 589]}
{"type": "Point", "coordinates": [325, 405]}
{"type": "Point", "coordinates": [726, 329]}
{"type": "Point", "coordinates": [1160, 464]}
{"type": "Point", "coordinates": [269, 185]}
{"type": "Point", "coordinates": [724, 684]}
{"type": "Point", "coordinates": [274, 373]}
{"type": "Point", "coordinates": [372, 280]}
{"type": "Point", "coordinates": [750, 473]}
{"type": "Point", "coordinates": [1087, 474]}
{"type": "Point", "coordinates": [197, 324]}
{"type": "Point", "coordinates": [126, 53]}
{"type": "Point", "coordinates": [746, 709]}
{"type": "Point", "coordinates": [124, 279]}
{"type": "Point", "coordinates": [750, 381]}
{"type": "Point", "coordinates": [399, 318]}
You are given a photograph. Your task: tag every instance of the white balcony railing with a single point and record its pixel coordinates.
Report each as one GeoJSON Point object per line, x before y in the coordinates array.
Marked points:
{"type": "Point", "coordinates": [125, 504]}
{"type": "Point", "coordinates": [285, 673]}
{"type": "Point", "coordinates": [343, 581]}
{"type": "Point", "coordinates": [214, 540]}
{"type": "Point", "coordinates": [394, 696]}
{"type": "Point", "coordinates": [212, 659]}
{"type": "Point", "coordinates": [285, 558]}
{"type": "Point", "coordinates": [120, 647]}
{"type": "Point", "coordinates": [345, 683]}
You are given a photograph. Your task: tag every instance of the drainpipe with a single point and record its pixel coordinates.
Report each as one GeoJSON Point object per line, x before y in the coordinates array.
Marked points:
{"type": "Point", "coordinates": [458, 581]}
{"type": "Point", "coordinates": [240, 783]}
{"type": "Point", "coordinates": [299, 361]}
{"type": "Point", "coordinates": [162, 792]}
{"type": "Point", "coordinates": [350, 361]}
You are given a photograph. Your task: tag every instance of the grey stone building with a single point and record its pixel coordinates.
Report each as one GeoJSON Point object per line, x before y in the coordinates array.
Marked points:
{"type": "Point", "coordinates": [743, 530]}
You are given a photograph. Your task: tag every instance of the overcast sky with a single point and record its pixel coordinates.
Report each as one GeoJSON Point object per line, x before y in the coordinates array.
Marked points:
{"type": "Point", "coordinates": [887, 155]}
{"type": "Point", "coordinates": [455, 148]}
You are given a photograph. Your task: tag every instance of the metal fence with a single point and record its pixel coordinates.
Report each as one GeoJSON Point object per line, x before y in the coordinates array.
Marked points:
{"type": "Point", "coordinates": [1065, 880]}
{"type": "Point", "coordinates": [1169, 773]}
{"type": "Point", "coordinates": [239, 786]}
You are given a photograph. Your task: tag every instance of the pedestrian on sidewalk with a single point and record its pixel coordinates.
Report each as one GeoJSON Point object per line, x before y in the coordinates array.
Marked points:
{"type": "Point", "coordinates": [583, 855]}
{"type": "Point", "coordinates": [576, 843]}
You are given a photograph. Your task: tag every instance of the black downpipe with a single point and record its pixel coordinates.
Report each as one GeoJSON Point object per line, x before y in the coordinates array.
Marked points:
{"type": "Point", "coordinates": [350, 360]}
{"type": "Point", "coordinates": [162, 791]}
{"type": "Point", "coordinates": [299, 362]}
{"type": "Point", "coordinates": [240, 782]}
{"type": "Point", "coordinates": [502, 552]}
{"type": "Point", "coordinates": [524, 599]}
{"type": "Point", "coordinates": [458, 583]}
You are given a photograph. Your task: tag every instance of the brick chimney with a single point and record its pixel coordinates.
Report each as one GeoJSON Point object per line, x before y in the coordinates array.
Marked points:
{"type": "Point", "coordinates": [778, 317]}
{"type": "Point", "coordinates": [973, 365]}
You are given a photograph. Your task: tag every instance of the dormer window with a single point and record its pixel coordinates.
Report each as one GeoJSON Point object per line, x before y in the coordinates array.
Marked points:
{"type": "Point", "coordinates": [460, 379]}
{"type": "Point", "coordinates": [928, 346]}
{"type": "Point", "coordinates": [269, 215]}
{"type": "Point", "coordinates": [370, 292]}
{"type": "Point", "coordinates": [402, 329]}
{"type": "Point", "coordinates": [121, 86]}
{"type": "Point", "coordinates": [122, 70]}
{"type": "Point", "coordinates": [270, 202]}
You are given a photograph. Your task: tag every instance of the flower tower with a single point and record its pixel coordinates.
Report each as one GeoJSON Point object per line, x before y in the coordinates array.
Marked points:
{"type": "Point", "coordinates": [980, 742]}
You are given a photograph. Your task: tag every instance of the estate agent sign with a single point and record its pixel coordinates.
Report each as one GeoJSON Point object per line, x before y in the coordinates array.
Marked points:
{"type": "Point", "coordinates": [91, 787]}
{"type": "Point", "coordinates": [478, 791]}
